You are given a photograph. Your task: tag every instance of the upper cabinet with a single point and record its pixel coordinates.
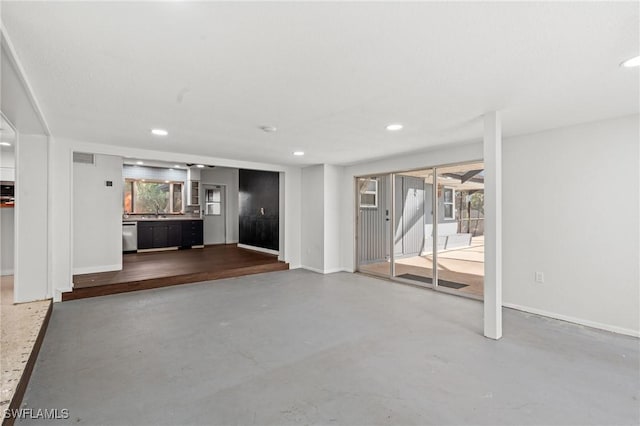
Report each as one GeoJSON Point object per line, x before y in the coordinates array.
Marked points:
{"type": "Point", "coordinates": [195, 192]}
{"type": "Point", "coordinates": [193, 176]}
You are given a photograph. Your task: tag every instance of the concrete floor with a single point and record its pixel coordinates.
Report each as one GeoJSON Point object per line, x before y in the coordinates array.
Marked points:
{"type": "Point", "coordinates": [297, 347]}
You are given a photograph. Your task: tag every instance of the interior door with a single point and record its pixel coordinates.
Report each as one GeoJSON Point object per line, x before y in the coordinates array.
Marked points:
{"type": "Point", "coordinates": [214, 214]}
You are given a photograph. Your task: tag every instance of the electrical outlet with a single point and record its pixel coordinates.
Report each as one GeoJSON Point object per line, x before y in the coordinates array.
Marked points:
{"type": "Point", "coordinates": [539, 277]}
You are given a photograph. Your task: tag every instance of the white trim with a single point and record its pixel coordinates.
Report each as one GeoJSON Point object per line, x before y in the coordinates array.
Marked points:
{"type": "Point", "coordinates": [263, 250]}
{"type": "Point", "coordinates": [325, 271]}
{"type": "Point", "coordinates": [334, 270]}
{"type": "Point", "coordinates": [94, 269]}
{"type": "Point", "coordinates": [309, 268]}
{"type": "Point", "coordinates": [15, 61]}
{"type": "Point", "coordinates": [580, 321]}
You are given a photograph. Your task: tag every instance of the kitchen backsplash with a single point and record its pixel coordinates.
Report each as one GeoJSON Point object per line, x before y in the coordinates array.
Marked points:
{"type": "Point", "coordinates": [189, 212]}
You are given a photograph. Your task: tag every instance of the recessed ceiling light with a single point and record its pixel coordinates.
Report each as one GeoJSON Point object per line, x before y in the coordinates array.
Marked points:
{"type": "Point", "coordinates": [166, 181]}
{"type": "Point", "coordinates": [394, 127]}
{"type": "Point", "coordinates": [140, 163]}
{"type": "Point", "coordinates": [5, 144]}
{"type": "Point", "coordinates": [176, 166]}
{"type": "Point", "coordinates": [268, 129]}
{"type": "Point", "coordinates": [299, 153]}
{"type": "Point", "coordinates": [630, 63]}
{"type": "Point", "coordinates": [159, 132]}
{"type": "Point", "coordinates": [200, 166]}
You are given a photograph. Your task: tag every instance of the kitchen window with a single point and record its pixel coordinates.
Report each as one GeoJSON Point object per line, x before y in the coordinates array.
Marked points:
{"type": "Point", "coordinates": [147, 196]}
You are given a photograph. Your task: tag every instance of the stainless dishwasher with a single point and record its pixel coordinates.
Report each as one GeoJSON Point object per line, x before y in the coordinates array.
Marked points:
{"type": "Point", "coordinates": [129, 237]}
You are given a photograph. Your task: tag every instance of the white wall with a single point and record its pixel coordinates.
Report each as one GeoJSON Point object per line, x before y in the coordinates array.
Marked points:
{"type": "Point", "coordinates": [332, 198]}
{"type": "Point", "coordinates": [97, 215]}
{"type": "Point", "coordinates": [312, 232]}
{"type": "Point", "coordinates": [31, 219]}
{"type": "Point", "coordinates": [6, 241]}
{"type": "Point", "coordinates": [61, 216]}
{"type": "Point", "coordinates": [7, 165]}
{"type": "Point", "coordinates": [229, 178]}
{"type": "Point", "coordinates": [292, 225]}
{"type": "Point", "coordinates": [7, 216]}
{"type": "Point", "coordinates": [563, 189]}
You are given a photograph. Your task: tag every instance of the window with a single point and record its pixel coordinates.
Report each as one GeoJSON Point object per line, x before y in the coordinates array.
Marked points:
{"type": "Point", "coordinates": [368, 193]}
{"type": "Point", "coordinates": [145, 196]}
{"type": "Point", "coordinates": [449, 196]}
{"type": "Point", "coordinates": [213, 201]}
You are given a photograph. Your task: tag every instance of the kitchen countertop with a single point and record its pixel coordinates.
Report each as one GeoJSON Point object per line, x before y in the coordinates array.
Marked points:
{"type": "Point", "coordinates": [153, 218]}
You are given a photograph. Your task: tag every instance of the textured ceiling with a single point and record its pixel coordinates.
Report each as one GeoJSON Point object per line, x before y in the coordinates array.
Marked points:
{"type": "Point", "coordinates": [329, 76]}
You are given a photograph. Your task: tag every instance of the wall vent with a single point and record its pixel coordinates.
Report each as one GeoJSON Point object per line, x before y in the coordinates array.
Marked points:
{"type": "Point", "coordinates": [83, 157]}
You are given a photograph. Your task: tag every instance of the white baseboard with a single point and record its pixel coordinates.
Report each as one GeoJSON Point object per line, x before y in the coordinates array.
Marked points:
{"type": "Point", "coordinates": [587, 323]}
{"type": "Point", "coordinates": [334, 270]}
{"type": "Point", "coordinates": [6, 272]}
{"type": "Point", "coordinates": [260, 249]}
{"type": "Point", "coordinates": [324, 271]}
{"type": "Point", "coordinates": [95, 269]}
{"type": "Point", "coordinates": [309, 268]}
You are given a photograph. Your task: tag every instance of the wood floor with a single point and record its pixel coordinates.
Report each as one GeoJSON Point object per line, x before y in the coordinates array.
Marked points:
{"type": "Point", "coordinates": [142, 271]}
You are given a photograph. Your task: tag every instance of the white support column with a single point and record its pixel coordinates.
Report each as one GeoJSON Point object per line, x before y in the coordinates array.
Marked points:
{"type": "Point", "coordinates": [31, 275]}
{"type": "Point", "coordinates": [493, 225]}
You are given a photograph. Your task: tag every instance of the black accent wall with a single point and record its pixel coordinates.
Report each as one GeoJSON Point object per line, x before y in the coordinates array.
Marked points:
{"type": "Point", "coordinates": [259, 208]}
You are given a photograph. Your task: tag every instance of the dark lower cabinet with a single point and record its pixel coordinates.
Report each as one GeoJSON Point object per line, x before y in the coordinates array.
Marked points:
{"type": "Point", "coordinates": [192, 233]}
{"type": "Point", "coordinates": [174, 234]}
{"type": "Point", "coordinates": [159, 234]}
{"type": "Point", "coordinates": [260, 231]}
{"type": "Point", "coordinates": [145, 235]}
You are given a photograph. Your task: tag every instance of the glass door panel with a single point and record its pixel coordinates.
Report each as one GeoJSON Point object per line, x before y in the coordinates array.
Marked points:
{"type": "Point", "coordinates": [373, 224]}
{"type": "Point", "coordinates": [412, 236]}
{"type": "Point", "coordinates": [460, 230]}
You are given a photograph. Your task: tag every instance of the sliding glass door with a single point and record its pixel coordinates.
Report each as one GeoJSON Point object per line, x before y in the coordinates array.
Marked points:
{"type": "Point", "coordinates": [413, 231]}
{"type": "Point", "coordinates": [424, 227]}
{"type": "Point", "coordinates": [460, 251]}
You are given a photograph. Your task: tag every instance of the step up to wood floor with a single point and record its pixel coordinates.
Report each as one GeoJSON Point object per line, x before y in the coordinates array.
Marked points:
{"type": "Point", "coordinates": [146, 284]}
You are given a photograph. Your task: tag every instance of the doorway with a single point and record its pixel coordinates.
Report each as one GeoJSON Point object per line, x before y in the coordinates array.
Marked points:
{"type": "Point", "coordinates": [437, 237]}
{"type": "Point", "coordinates": [214, 208]}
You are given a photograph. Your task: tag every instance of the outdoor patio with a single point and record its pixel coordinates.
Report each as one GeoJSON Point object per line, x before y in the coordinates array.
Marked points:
{"type": "Point", "coordinates": [462, 266]}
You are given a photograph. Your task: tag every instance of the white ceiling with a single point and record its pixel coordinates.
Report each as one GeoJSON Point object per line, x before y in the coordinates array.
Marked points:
{"type": "Point", "coordinates": [329, 76]}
